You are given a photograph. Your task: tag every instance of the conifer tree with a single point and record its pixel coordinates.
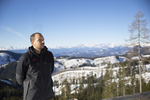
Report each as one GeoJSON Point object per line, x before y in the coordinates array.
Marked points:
{"type": "Point", "coordinates": [148, 86]}
{"type": "Point", "coordinates": [120, 81]}
{"type": "Point", "coordinates": [144, 86]}
{"type": "Point", "coordinates": [137, 87]}
{"type": "Point", "coordinates": [123, 77]}
{"type": "Point", "coordinates": [133, 80]}
{"type": "Point", "coordinates": [107, 83]}
{"type": "Point", "coordinates": [81, 86]}
{"type": "Point", "coordinates": [113, 83]}
{"type": "Point", "coordinates": [65, 90]}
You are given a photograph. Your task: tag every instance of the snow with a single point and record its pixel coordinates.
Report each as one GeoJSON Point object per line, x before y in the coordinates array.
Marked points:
{"type": "Point", "coordinates": [122, 59]}
{"type": "Point", "coordinates": [111, 59]}
{"type": "Point", "coordinates": [77, 73]}
{"type": "Point", "coordinates": [3, 54]}
{"type": "Point", "coordinates": [84, 71]}
{"type": "Point", "coordinates": [75, 63]}
{"type": "Point", "coordinates": [78, 50]}
{"type": "Point", "coordinates": [63, 64]}
{"type": "Point", "coordinates": [136, 57]}
{"type": "Point", "coordinates": [100, 45]}
{"type": "Point", "coordinates": [76, 68]}
{"type": "Point", "coordinates": [6, 81]}
{"type": "Point", "coordinates": [72, 63]}
{"type": "Point", "coordinates": [4, 65]}
{"type": "Point", "coordinates": [4, 57]}
{"type": "Point", "coordinates": [146, 56]}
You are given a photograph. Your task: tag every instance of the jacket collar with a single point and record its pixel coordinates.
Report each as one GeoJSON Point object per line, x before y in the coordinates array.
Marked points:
{"type": "Point", "coordinates": [32, 50]}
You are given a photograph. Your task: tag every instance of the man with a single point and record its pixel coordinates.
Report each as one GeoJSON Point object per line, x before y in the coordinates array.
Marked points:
{"type": "Point", "coordinates": [34, 70]}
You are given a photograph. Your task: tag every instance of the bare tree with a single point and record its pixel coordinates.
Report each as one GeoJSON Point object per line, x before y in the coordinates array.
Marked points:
{"type": "Point", "coordinates": [139, 35]}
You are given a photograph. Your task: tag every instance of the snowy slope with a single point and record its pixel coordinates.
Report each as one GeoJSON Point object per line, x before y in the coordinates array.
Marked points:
{"type": "Point", "coordinates": [75, 63]}
{"type": "Point", "coordinates": [99, 70]}
{"type": "Point", "coordinates": [72, 63]}
{"type": "Point", "coordinates": [84, 71]}
{"type": "Point", "coordinates": [67, 65]}
{"type": "Point", "coordinates": [5, 58]}
{"type": "Point", "coordinates": [4, 65]}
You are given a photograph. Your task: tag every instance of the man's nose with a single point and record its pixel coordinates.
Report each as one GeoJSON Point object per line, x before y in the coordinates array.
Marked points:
{"type": "Point", "coordinates": [42, 41]}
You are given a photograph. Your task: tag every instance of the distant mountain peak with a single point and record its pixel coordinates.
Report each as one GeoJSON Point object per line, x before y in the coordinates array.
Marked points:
{"type": "Point", "coordinates": [100, 45]}
{"type": "Point", "coordinates": [10, 47]}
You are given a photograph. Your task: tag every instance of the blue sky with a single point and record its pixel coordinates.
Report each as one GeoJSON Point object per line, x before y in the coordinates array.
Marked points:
{"type": "Point", "coordinates": [68, 22]}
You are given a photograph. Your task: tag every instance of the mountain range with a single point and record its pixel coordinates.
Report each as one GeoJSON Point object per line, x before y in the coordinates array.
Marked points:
{"type": "Point", "coordinates": [83, 50]}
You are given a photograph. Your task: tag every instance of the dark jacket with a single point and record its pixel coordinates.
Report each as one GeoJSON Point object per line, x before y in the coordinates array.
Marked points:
{"type": "Point", "coordinates": [34, 74]}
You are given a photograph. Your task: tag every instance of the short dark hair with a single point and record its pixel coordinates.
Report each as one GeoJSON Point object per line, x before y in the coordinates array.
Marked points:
{"type": "Point", "coordinates": [32, 37]}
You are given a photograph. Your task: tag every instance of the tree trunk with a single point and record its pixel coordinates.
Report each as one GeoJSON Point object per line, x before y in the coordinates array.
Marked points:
{"type": "Point", "coordinates": [139, 57]}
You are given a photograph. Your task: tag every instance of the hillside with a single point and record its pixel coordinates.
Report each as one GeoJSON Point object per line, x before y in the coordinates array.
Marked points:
{"type": "Point", "coordinates": [134, 51]}
{"type": "Point", "coordinates": [8, 71]}
{"type": "Point", "coordinates": [77, 74]}
{"type": "Point", "coordinates": [73, 69]}
{"type": "Point", "coordinates": [8, 56]}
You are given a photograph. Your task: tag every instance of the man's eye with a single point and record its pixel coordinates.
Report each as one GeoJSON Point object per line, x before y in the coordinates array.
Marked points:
{"type": "Point", "coordinates": [40, 40]}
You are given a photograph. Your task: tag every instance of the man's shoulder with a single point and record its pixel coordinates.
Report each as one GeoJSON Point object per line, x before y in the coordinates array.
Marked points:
{"type": "Point", "coordinates": [25, 56]}
{"type": "Point", "coordinates": [49, 54]}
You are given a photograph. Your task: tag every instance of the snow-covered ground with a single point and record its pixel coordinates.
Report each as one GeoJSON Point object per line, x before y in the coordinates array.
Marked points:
{"type": "Point", "coordinates": [78, 73]}
{"type": "Point", "coordinates": [4, 65]}
{"type": "Point", "coordinates": [73, 71]}
{"type": "Point", "coordinates": [5, 58]}
{"type": "Point", "coordinates": [72, 63]}
{"type": "Point", "coordinates": [136, 57]}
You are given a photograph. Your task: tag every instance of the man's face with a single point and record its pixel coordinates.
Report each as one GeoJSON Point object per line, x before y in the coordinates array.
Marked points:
{"type": "Point", "coordinates": [38, 43]}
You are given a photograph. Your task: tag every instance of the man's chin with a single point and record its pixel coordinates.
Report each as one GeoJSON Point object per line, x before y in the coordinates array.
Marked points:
{"type": "Point", "coordinates": [42, 47]}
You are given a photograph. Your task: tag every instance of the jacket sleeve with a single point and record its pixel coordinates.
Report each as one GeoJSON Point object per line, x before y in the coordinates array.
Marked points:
{"type": "Point", "coordinates": [21, 69]}
{"type": "Point", "coordinates": [52, 60]}
{"type": "Point", "coordinates": [52, 57]}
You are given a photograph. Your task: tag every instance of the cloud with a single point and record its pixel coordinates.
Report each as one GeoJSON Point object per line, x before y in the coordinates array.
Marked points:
{"type": "Point", "coordinates": [13, 31]}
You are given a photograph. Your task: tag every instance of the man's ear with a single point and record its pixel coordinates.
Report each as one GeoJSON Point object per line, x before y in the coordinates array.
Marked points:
{"type": "Point", "coordinates": [32, 42]}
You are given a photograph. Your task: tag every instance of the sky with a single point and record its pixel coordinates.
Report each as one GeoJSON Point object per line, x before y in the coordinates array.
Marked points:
{"type": "Point", "coordinates": [68, 22]}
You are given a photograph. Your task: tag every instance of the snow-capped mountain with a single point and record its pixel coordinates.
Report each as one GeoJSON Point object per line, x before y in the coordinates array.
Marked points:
{"type": "Point", "coordinates": [90, 50]}
{"type": "Point", "coordinates": [83, 50]}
